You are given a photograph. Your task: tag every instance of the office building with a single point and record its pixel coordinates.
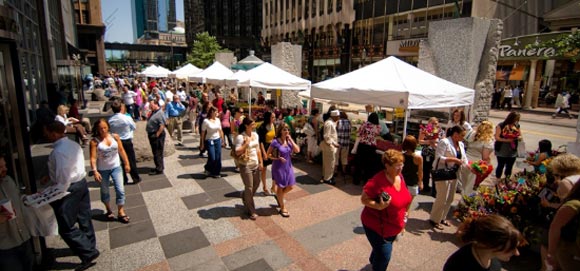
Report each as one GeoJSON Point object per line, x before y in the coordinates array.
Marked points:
{"type": "Point", "coordinates": [151, 17]}
{"type": "Point", "coordinates": [236, 24]}
{"type": "Point", "coordinates": [91, 34]}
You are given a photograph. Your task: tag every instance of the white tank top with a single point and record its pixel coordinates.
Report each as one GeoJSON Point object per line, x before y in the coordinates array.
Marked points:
{"type": "Point", "coordinates": [108, 156]}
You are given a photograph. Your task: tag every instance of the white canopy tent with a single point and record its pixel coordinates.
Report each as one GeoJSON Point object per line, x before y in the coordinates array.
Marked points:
{"type": "Point", "coordinates": [236, 78]}
{"type": "Point", "coordinates": [394, 83]}
{"type": "Point", "coordinates": [185, 71]}
{"type": "Point", "coordinates": [216, 74]}
{"type": "Point", "coordinates": [156, 72]}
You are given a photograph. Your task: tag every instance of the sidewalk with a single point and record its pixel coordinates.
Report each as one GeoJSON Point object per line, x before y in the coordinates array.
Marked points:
{"type": "Point", "coordinates": [181, 221]}
{"type": "Point", "coordinates": [539, 115]}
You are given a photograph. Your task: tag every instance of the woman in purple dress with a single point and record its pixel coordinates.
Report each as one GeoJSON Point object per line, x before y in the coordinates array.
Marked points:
{"type": "Point", "coordinates": [280, 152]}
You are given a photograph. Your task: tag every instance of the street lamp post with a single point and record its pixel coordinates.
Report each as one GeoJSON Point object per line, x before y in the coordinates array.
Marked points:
{"type": "Point", "coordinates": [77, 63]}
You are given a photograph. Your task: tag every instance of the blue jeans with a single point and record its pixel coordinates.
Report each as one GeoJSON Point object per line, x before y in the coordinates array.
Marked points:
{"type": "Point", "coordinates": [382, 248]}
{"type": "Point", "coordinates": [214, 156]}
{"type": "Point", "coordinates": [117, 175]}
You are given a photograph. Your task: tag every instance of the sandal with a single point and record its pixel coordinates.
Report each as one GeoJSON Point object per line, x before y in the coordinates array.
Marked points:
{"type": "Point", "coordinates": [123, 219]}
{"type": "Point", "coordinates": [254, 216]}
{"type": "Point", "coordinates": [446, 223]}
{"type": "Point", "coordinates": [267, 192]}
{"type": "Point", "coordinates": [110, 216]}
{"type": "Point", "coordinates": [284, 214]}
{"type": "Point", "coordinates": [436, 225]}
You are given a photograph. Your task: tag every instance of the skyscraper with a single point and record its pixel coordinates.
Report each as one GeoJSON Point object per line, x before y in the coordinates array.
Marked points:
{"type": "Point", "coordinates": [151, 17]}
{"type": "Point", "coordinates": [235, 23]}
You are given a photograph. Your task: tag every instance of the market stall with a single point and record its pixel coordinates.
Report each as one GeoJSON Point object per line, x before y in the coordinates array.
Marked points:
{"type": "Point", "coordinates": [216, 74]}
{"type": "Point", "coordinates": [185, 72]}
{"type": "Point", "coordinates": [394, 83]}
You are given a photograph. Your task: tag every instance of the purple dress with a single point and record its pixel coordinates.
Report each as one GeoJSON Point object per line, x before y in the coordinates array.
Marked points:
{"type": "Point", "coordinates": [283, 173]}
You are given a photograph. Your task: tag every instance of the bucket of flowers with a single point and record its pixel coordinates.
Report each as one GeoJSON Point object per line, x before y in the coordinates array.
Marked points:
{"type": "Point", "coordinates": [430, 131]}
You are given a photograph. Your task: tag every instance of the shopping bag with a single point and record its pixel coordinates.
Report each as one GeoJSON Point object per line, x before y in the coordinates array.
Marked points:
{"type": "Point", "coordinates": [522, 149]}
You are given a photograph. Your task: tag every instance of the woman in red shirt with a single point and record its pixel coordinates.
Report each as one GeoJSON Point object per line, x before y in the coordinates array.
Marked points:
{"type": "Point", "coordinates": [384, 214]}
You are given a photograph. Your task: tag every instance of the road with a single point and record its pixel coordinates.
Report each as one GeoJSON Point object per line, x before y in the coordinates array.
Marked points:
{"type": "Point", "coordinates": [534, 132]}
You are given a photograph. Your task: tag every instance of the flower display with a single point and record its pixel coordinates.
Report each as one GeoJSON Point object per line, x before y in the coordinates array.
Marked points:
{"type": "Point", "coordinates": [511, 132]}
{"type": "Point", "coordinates": [431, 132]}
{"type": "Point", "coordinates": [515, 198]}
{"type": "Point", "coordinates": [481, 169]}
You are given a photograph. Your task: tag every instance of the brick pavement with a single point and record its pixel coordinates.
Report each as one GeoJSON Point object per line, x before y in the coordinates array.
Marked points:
{"type": "Point", "coordinates": [181, 221]}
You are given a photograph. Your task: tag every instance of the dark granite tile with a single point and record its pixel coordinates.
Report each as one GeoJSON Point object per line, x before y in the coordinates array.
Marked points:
{"type": "Point", "coordinates": [183, 242]}
{"type": "Point", "coordinates": [189, 141]}
{"type": "Point", "coordinates": [134, 200]}
{"type": "Point", "coordinates": [188, 162]}
{"type": "Point", "coordinates": [311, 185]}
{"type": "Point", "coordinates": [260, 264]}
{"type": "Point", "coordinates": [154, 185]}
{"type": "Point", "coordinates": [196, 201]}
{"type": "Point", "coordinates": [131, 189]}
{"type": "Point", "coordinates": [95, 194]}
{"type": "Point", "coordinates": [136, 215]}
{"type": "Point", "coordinates": [153, 178]}
{"type": "Point", "coordinates": [210, 184]}
{"type": "Point", "coordinates": [223, 194]}
{"type": "Point", "coordinates": [132, 233]}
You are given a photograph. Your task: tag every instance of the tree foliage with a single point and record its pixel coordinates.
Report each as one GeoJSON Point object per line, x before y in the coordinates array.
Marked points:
{"type": "Point", "coordinates": [566, 45]}
{"type": "Point", "coordinates": [204, 49]}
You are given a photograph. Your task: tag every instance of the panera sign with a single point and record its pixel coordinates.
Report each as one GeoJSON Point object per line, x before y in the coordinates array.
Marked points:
{"type": "Point", "coordinates": [508, 51]}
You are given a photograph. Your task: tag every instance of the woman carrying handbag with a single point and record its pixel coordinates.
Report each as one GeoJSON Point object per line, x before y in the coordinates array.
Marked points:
{"type": "Point", "coordinates": [450, 153]}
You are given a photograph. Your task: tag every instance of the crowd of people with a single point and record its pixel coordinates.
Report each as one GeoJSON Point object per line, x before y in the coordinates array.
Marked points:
{"type": "Point", "coordinates": [390, 181]}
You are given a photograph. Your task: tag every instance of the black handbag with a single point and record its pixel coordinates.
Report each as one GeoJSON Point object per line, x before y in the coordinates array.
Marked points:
{"type": "Point", "coordinates": [443, 174]}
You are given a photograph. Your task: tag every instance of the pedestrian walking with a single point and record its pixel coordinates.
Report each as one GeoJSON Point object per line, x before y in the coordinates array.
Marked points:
{"type": "Point", "coordinates": [562, 104]}
{"type": "Point", "coordinates": [129, 100]}
{"type": "Point", "coordinates": [507, 98]}
{"type": "Point", "coordinates": [124, 126]}
{"type": "Point", "coordinates": [429, 136]}
{"type": "Point", "coordinates": [192, 111]}
{"type": "Point", "coordinates": [250, 162]}
{"type": "Point", "coordinates": [267, 133]}
{"type": "Point", "coordinates": [280, 152]}
{"type": "Point", "coordinates": [225, 118]}
{"type": "Point", "coordinates": [200, 120]}
{"type": "Point", "coordinates": [413, 168]}
{"type": "Point", "coordinates": [517, 92]}
{"type": "Point", "coordinates": [66, 167]}
{"type": "Point", "coordinates": [386, 198]}
{"type": "Point", "coordinates": [212, 140]}
{"type": "Point", "coordinates": [106, 148]}
{"type": "Point", "coordinates": [175, 110]}
{"type": "Point", "coordinates": [156, 133]}
{"type": "Point", "coordinates": [368, 163]}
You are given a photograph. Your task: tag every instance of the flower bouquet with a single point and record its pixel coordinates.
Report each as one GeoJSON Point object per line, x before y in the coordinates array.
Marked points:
{"type": "Point", "coordinates": [431, 132]}
{"type": "Point", "coordinates": [481, 169]}
{"type": "Point", "coordinates": [511, 132]}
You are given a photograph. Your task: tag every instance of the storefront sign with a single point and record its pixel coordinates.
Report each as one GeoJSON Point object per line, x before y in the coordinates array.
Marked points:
{"type": "Point", "coordinates": [511, 51]}
{"type": "Point", "coordinates": [408, 47]}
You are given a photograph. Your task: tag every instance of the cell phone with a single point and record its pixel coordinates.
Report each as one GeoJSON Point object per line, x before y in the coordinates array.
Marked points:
{"type": "Point", "coordinates": [386, 197]}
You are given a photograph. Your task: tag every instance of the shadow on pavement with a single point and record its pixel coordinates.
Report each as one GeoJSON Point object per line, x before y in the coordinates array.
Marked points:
{"type": "Point", "coordinates": [237, 211]}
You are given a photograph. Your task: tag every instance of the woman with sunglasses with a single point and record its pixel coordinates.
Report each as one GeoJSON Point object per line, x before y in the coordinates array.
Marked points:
{"type": "Point", "coordinates": [282, 170]}
{"type": "Point", "coordinates": [385, 197]}
{"type": "Point", "coordinates": [250, 162]}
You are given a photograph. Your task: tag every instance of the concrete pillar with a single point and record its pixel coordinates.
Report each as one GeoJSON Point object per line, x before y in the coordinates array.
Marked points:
{"type": "Point", "coordinates": [530, 89]}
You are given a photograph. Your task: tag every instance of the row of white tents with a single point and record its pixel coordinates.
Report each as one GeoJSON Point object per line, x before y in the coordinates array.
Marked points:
{"type": "Point", "coordinates": [389, 83]}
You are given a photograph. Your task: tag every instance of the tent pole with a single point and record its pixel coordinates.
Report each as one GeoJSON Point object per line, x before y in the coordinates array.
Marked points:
{"type": "Point", "coordinates": [250, 102]}
{"type": "Point", "coordinates": [407, 114]}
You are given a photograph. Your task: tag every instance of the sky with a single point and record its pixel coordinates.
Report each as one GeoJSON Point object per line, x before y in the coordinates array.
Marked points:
{"type": "Point", "coordinates": [117, 18]}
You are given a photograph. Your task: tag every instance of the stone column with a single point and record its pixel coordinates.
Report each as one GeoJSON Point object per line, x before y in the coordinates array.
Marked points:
{"type": "Point", "coordinates": [530, 89]}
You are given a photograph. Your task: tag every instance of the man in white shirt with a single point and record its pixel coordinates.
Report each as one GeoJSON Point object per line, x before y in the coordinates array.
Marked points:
{"type": "Point", "coordinates": [124, 126]}
{"type": "Point", "coordinates": [129, 100]}
{"type": "Point", "coordinates": [329, 147]}
{"type": "Point", "coordinates": [66, 167]}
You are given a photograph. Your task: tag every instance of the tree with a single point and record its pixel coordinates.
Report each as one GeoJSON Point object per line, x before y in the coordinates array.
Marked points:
{"type": "Point", "coordinates": [566, 45]}
{"type": "Point", "coordinates": [204, 49]}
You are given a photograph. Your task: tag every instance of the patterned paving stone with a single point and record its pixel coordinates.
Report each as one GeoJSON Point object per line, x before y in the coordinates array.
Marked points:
{"type": "Point", "coordinates": [154, 185]}
{"type": "Point", "coordinates": [132, 233]}
{"type": "Point", "coordinates": [197, 201]}
{"type": "Point", "coordinates": [223, 194]}
{"type": "Point", "coordinates": [136, 215]}
{"type": "Point", "coordinates": [257, 265]}
{"type": "Point", "coordinates": [183, 242]}
{"type": "Point", "coordinates": [190, 260]}
{"type": "Point", "coordinates": [211, 184]}
{"type": "Point", "coordinates": [311, 185]}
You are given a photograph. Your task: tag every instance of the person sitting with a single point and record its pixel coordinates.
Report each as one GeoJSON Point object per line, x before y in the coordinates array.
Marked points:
{"type": "Point", "coordinates": [72, 125]}
{"type": "Point", "coordinates": [544, 152]}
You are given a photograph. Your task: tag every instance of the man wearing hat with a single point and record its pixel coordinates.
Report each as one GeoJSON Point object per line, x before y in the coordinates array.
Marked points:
{"type": "Point", "coordinates": [329, 146]}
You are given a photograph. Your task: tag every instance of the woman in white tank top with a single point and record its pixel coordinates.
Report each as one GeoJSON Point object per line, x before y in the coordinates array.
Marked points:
{"type": "Point", "coordinates": [105, 151]}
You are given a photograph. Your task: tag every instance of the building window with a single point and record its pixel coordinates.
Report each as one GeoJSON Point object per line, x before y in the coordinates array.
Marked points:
{"type": "Point", "coordinates": [293, 13]}
{"type": "Point", "coordinates": [329, 8]}
{"type": "Point", "coordinates": [306, 8]}
{"type": "Point", "coordinates": [338, 5]}
{"type": "Point", "coordinates": [321, 11]}
{"type": "Point", "coordinates": [314, 5]}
